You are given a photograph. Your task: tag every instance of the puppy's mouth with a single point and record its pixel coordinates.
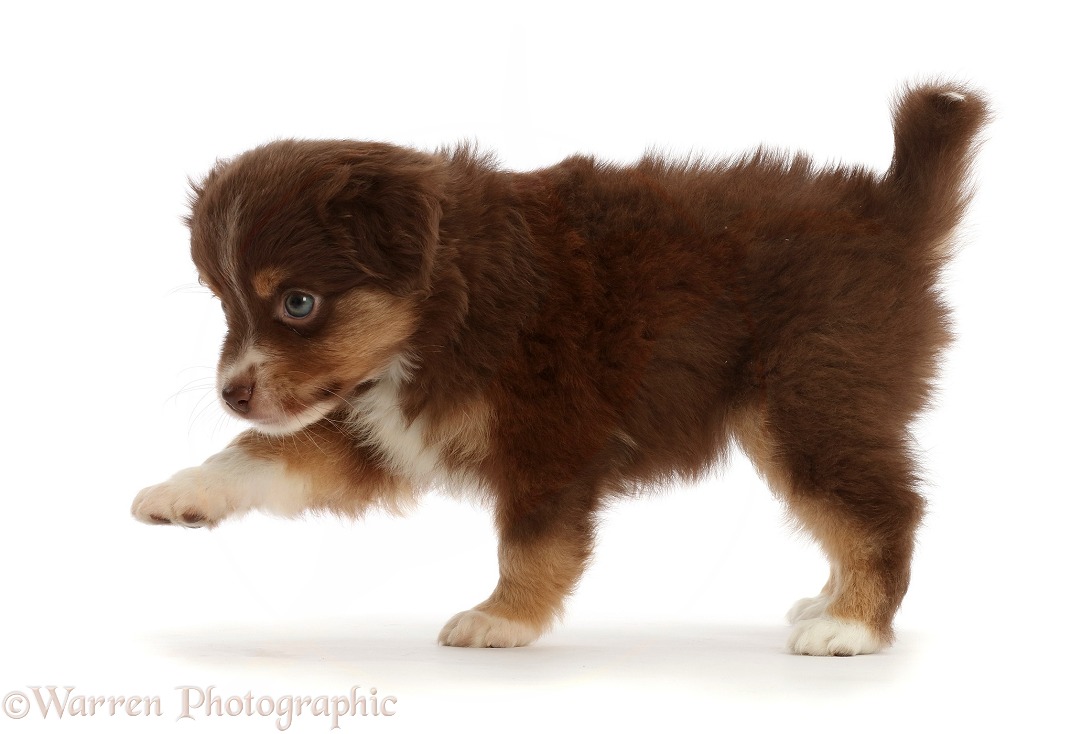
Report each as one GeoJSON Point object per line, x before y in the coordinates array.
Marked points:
{"type": "Point", "coordinates": [279, 398]}
{"type": "Point", "coordinates": [276, 414]}
{"type": "Point", "coordinates": [281, 424]}
{"type": "Point", "coordinates": [281, 415]}
{"type": "Point", "coordinates": [330, 391]}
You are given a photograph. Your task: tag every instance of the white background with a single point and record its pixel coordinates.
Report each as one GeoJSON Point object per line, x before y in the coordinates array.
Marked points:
{"type": "Point", "coordinates": [108, 349]}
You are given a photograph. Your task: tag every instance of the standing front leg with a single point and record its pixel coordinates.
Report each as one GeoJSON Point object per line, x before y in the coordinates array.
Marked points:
{"type": "Point", "coordinates": [318, 468]}
{"type": "Point", "coordinates": [541, 556]}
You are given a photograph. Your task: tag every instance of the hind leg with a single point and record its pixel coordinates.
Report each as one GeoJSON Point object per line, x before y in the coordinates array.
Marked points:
{"type": "Point", "coordinates": [850, 484]}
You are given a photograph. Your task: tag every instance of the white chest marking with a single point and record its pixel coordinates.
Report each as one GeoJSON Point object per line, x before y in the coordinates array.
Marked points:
{"type": "Point", "coordinates": [402, 444]}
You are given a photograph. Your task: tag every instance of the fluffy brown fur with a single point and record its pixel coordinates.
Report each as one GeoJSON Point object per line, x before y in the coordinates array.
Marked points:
{"type": "Point", "coordinates": [560, 337]}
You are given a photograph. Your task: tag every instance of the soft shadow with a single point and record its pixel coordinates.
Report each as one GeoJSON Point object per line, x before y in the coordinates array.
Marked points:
{"type": "Point", "coordinates": [738, 658]}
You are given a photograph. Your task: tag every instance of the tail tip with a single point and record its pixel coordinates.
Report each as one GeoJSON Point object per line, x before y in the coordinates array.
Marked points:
{"type": "Point", "coordinates": [943, 98]}
{"type": "Point", "coordinates": [953, 96]}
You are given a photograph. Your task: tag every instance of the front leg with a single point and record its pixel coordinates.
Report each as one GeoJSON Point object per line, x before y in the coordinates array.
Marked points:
{"type": "Point", "coordinates": [541, 556]}
{"type": "Point", "coordinates": [318, 468]}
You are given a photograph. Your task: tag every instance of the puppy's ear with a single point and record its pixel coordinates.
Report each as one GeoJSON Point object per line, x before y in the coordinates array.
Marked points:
{"type": "Point", "coordinates": [384, 206]}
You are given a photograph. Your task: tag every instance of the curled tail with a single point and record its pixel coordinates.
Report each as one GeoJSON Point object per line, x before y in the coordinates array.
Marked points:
{"type": "Point", "coordinates": [935, 128]}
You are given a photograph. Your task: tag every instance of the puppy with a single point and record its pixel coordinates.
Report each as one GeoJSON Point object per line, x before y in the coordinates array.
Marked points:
{"type": "Point", "coordinates": [399, 320]}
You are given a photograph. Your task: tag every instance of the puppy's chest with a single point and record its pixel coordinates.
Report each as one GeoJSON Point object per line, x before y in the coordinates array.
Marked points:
{"type": "Point", "coordinates": [402, 444]}
{"type": "Point", "coordinates": [425, 452]}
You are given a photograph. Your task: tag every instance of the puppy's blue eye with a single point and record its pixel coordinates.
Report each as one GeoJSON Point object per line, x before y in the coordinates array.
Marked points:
{"type": "Point", "coordinates": [298, 305]}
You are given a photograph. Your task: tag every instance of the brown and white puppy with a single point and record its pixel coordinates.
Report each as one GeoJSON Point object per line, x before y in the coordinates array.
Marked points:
{"type": "Point", "coordinates": [399, 320]}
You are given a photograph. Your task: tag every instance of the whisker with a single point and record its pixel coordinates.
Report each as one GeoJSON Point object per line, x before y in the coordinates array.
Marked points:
{"type": "Point", "coordinates": [200, 413]}
{"type": "Point", "coordinates": [312, 439]}
{"type": "Point", "coordinates": [188, 389]}
{"type": "Point", "coordinates": [189, 288]}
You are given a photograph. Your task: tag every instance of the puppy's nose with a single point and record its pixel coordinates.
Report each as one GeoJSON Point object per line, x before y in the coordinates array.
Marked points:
{"type": "Point", "coordinates": [238, 397]}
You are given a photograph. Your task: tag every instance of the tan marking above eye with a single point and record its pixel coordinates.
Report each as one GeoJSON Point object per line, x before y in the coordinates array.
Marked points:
{"type": "Point", "coordinates": [266, 281]}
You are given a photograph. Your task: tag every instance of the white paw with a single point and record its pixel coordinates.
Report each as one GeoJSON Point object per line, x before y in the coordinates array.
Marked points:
{"type": "Point", "coordinates": [829, 636]}
{"type": "Point", "coordinates": [187, 499]}
{"type": "Point", "coordinates": [480, 629]}
{"type": "Point", "coordinates": [808, 608]}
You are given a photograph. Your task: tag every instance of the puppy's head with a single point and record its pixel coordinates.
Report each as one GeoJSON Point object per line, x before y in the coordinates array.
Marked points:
{"type": "Point", "coordinates": [320, 253]}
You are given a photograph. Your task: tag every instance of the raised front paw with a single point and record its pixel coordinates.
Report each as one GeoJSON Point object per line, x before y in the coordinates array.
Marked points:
{"type": "Point", "coordinates": [186, 499]}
